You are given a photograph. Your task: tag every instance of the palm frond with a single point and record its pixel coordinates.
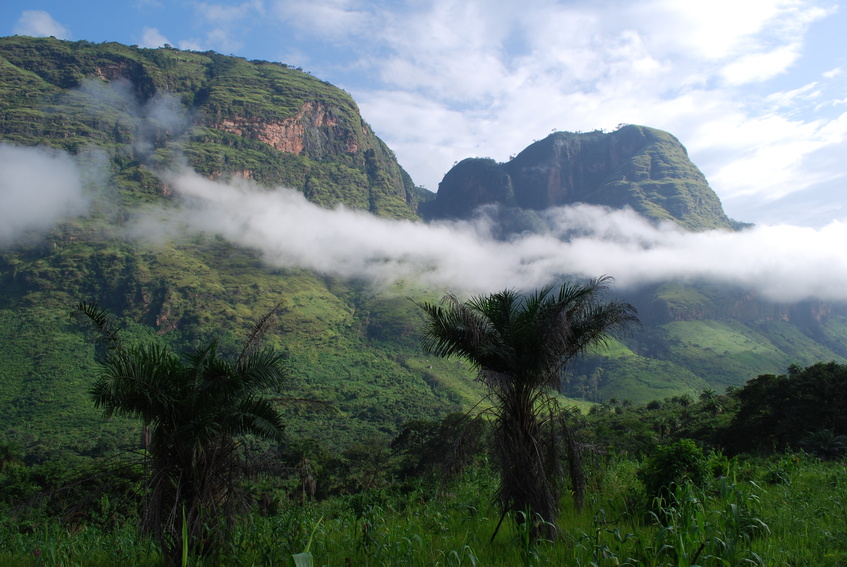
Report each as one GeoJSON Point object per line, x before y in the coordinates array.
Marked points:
{"type": "Point", "coordinates": [103, 322]}
{"type": "Point", "coordinates": [257, 332]}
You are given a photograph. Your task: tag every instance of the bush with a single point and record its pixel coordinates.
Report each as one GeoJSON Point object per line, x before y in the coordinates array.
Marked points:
{"type": "Point", "coordinates": [671, 464]}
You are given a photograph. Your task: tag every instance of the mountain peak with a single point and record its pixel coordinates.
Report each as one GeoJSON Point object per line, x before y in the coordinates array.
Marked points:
{"type": "Point", "coordinates": [642, 168]}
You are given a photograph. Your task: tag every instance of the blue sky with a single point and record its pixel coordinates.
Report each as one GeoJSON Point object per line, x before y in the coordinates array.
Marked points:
{"type": "Point", "coordinates": [756, 90]}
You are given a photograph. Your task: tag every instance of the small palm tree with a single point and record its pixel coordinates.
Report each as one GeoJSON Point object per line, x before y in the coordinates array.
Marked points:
{"type": "Point", "coordinates": [192, 407]}
{"type": "Point", "coordinates": [519, 345]}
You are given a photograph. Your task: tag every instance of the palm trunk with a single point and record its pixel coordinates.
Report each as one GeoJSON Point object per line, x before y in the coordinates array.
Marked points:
{"type": "Point", "coordinates": [526, 484]}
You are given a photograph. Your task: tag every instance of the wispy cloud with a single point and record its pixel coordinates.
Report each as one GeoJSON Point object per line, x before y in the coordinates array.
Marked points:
{"type": "Point", "coordinates": [225, 25]}
{"type": "Point", "coordinates": [39, 23]}
{"type": "Point", "coordinates": [781, 262]}
{"type": "Point", "coordinates": [333, 20]}
{"type": "Point", "coordinates": [38, 187]}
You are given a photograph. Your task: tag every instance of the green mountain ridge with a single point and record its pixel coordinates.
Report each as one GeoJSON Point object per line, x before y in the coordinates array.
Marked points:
{"type": "Point", "coordinates": [696, 335]}
{"type": "Point", "coordinates": [151, 110]}
{"type": "Point", "coordinates": [642, 168]}
{"type": "Point", "coordinates": [136, 113]}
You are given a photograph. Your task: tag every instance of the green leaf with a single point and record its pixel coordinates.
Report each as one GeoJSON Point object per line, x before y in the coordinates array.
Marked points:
{"type": "Point", "coordinates": [304, 559]}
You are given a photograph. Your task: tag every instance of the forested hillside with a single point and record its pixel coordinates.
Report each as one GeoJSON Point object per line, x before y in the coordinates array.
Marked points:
{"type": "Point", "coordinates": [127, 115]}
{"type": "Point", "coordinates": [123, 119]}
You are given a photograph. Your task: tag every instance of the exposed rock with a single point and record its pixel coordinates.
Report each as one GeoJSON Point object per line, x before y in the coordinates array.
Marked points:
{"type": "Point", "coordinates": [638, 167]}
{"type": "Point", "coordinates": [289, 135]}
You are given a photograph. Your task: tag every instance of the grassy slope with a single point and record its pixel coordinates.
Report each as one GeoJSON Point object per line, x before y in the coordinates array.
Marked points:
{"type": "Point", "coordinates": [783, 511]}
{"type": "Point", "coordinates": [346, 345]}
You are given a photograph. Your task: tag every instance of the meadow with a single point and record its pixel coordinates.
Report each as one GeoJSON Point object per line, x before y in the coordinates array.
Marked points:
{"type": "Point", "coordinates": [787, 510]}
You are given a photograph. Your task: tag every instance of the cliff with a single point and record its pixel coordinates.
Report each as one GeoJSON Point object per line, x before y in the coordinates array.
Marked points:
{"type": "Point", "coordinates": [638, 167]}
{"type": "Point", "coordinates": [151, 109]}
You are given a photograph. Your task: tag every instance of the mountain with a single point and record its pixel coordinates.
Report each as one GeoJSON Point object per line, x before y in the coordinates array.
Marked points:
{"type": "Point", "coordinates": [128, 116]}
{"type": "Point", "coordinates": [642, 168]}
{"type": "Point", "coordinates": [696, 335]}
{"type": "Point", "coordinates": [148, 108]}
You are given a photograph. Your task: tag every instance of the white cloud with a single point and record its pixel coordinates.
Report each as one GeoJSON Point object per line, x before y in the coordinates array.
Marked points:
{"type": "Point", "coordinates": [38, 187]}
{"type": "Point", "coordinates": [448, 80]}
{"type": "Point", "coordinates": [783, 263]}
{"type": "Point", "coordinates": [38, 23]}
{"type": "Point", "coordinates": [332, 20]}
{"type": "Point", "coordinates": [152, 38]}
{"type": "Point", "coordinates": [760, 66]}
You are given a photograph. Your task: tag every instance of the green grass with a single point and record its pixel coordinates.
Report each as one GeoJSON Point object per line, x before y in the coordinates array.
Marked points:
{"type": "Point", "coordinates": [742, 518]}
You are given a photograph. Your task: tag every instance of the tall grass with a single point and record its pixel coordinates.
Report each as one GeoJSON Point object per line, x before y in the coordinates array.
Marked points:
{"type": "Point", "coordinates": [788, 511]}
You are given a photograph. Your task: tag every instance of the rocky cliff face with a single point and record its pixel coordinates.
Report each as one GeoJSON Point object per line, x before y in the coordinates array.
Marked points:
{"type": "Point", "coordinates": [293, 135]}
{"type": "Point", "coordinates": [643, 168]}
{"type": "Point", "coordinates": [226, 116]}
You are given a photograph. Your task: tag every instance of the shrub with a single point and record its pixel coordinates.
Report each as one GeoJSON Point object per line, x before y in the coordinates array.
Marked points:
{"type": "Point", "coordinates": [671, 464]}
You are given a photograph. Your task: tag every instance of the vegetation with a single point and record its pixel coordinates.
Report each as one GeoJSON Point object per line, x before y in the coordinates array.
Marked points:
{"type": "Point", "coordinates": [520, 346]}
{"type": "Point", "coordinates": [664, 486]}
{"type": "Point", "coordinates": [748, 514]}
{"type": "Point", "coordinates": [192, 407]}
{"type": "Point", "coordinates": [684, 463]}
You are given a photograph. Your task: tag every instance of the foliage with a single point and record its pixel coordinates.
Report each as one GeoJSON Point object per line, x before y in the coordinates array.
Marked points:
{"type": "Point", "coordinates": [192, 408]}
{"type": "Point", "coordinates": [519, 346]}
{"type": "Point", "coordinates": [441, 448]}
{"type": "Point", "coordinates": [673, 464]}
{"type": "Point", "coordinates": [789, 411]}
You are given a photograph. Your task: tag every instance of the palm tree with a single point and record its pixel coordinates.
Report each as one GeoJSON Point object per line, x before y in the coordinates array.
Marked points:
{"type": "Point", "coordinates": [520, 345]}
{"type": "Point", "coordinates": [193, 406]}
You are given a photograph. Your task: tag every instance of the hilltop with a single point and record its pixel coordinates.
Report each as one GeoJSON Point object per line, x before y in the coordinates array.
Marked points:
{"type": "Point", "coordinates": [642, 168]}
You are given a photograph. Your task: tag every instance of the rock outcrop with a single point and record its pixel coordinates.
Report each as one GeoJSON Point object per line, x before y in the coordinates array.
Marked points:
{"type": "Point", "coordinates": [638, 167]}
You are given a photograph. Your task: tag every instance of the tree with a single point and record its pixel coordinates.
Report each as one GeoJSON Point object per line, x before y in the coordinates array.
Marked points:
{"type": "Point", "coordinates": [192, 407]}
{"type": "Point", "coordinates": [520, 345]}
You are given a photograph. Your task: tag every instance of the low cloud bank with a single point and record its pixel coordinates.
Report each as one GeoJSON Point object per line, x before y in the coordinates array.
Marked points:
{"type": "Point", "coordinates": [38, 187]}
{"type": "Point", "coordinates": [783, 263]}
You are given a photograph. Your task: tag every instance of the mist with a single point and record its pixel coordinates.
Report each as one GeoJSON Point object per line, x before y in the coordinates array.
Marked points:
{"type": "Point", "coordinates": [38, 188]}
{"type": "Point", "coordinates": [782, 263]}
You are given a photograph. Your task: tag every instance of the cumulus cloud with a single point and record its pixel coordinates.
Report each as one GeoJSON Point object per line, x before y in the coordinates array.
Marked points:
{"type": "Point", "coordinates": [38, 23]}
{"type": "Point", "coordinates": [486, 78]}
{"type": "Point", "coordinates": [152, 38]}
{"type": "Point", "coordinates": [38, 188]}
{"type": "Point", "coordinates": [782, 262]}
